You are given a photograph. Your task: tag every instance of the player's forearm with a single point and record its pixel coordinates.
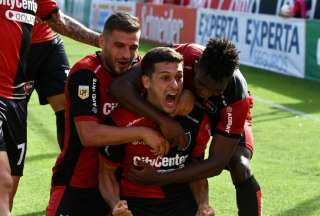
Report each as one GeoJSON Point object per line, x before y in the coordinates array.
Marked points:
{"type": "Point", "coordinates": [201, 170]}
{"type": "Point", "coordinates": [94, 134]}
{"type": "Point", "coordinates": [200, 192]}
{"type": "Point", "coordinates": [221, 151]}
{"type": "Point", "coordinates": [108, 186]}
{"type": "Point", "coordinates": [71, 28]}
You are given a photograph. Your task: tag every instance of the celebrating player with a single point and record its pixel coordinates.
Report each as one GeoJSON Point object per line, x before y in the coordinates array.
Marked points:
{"type": "Point", "coordinates": [212, 74]}
{"type": "Point", "coordinates": [75, 175]}
{"type": "Point", "coordinates": [162, 70]}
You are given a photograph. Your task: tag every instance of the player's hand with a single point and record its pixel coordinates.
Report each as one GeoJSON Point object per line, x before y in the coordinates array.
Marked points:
{"type": "Point", "coordinates": [121, 209]}
{"type": "Point", "coordinates": [185, 104]}
{"type": "Point", "coordinates": [144, 174]}
{"type": "Point", "coordinates": [160, 146]}
{"type": "Point", "coordinates": [205, 210]}
{"type": "Point", "coordinates": [173, 132]}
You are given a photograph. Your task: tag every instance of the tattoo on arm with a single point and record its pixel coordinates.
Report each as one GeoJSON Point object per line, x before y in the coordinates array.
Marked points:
{"type": "Point", "coordinates": [71, 28]}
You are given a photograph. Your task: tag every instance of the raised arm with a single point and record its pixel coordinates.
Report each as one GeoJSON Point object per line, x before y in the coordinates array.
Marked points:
{"type": "Point", "coordinates": [67, 26]}
{"type": "Point", "coordinates": [126, 89]}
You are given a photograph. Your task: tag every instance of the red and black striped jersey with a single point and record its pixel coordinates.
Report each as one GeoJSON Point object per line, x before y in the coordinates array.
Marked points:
{"type": "Point", "coordinates": [228, 112]}
{"type": "Point", "coordinates": [16, 20]}
{"type": "Point", "coordinates": [197, 128]}
{"type": "Point", "coordinates": [86, 100]}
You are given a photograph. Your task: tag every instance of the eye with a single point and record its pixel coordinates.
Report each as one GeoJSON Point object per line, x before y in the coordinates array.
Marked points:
{"type": "Point", "coordinates": [119, 45]}
{"type": "Point", "coordinates": [165, 77]}
{"type": "Point", "coordinates": [134, 48]}
{"type": "Point", "coordinates": [179, 77]}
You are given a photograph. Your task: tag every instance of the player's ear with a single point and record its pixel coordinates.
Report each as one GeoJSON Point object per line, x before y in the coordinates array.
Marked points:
{"type": "Point", "coordinates": [145, 81]}
{"type": "Point", "coordinates": [101, 41]}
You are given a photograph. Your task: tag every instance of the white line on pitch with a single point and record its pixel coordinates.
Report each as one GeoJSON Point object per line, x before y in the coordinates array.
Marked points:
{"type": "Point", "coordinates": [287, 109]}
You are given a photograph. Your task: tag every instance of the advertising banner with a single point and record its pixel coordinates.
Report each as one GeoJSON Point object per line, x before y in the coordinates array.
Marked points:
{"type": "Point", "coordinates": [313, 50]}
{"type": "Point", "coordinates": [249, 6]}
{"type": "Point", "coordinates": [265, 41]}
{"type": "Point", "coordinates": [167, 24]}
{"type": "Point", "coordinates": [102, 9]}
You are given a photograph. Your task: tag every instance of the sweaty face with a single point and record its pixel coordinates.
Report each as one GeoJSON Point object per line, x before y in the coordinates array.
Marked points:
{"type": "Point", "coordinates": [165, 85]}
{"type": "Point", "coordinates": [119, 49]}
{"type": "Point", "coordinates": [206, 87]}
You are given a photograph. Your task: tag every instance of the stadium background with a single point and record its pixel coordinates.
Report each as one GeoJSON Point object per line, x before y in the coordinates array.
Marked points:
{"type": "Point", "coordinates": [286, 113]}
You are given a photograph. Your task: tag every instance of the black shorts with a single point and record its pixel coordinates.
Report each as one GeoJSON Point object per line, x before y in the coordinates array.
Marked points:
{"type": "Point", "coordinates": [180, 205]}
{"type": "Point", "coordinates": [47, 66]}
{"type": "Point", "coordinates": [13, 133]}
{"type": "Point", "coordinates": [76, 201]}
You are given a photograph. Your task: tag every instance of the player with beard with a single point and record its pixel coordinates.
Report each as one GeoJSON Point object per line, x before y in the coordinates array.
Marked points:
{"type": "Point", "coordinates": [75, 175]}
{"type": "Point", "coordinates": [162, 79]}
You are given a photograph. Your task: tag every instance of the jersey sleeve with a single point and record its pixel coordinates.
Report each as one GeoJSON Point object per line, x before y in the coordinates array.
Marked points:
{"type": "Point", "coordinates": [46, 8]}
{"type": "Point", "coordinates": [113, 155]}
{"type": "Point", "coordinates": [233, 117]}
{"type": "Point", "coordinates": [83, 88]}
{"type": "Point", "coordinates": [203, 138]}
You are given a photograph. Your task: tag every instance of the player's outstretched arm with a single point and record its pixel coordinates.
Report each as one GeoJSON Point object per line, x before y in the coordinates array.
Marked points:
{"type": "Point", "coordinates": [67, 26]}
{"type": "Point", "coordinates": [126, 89]}
{"type": "Point", "coordinates": [221, 151]}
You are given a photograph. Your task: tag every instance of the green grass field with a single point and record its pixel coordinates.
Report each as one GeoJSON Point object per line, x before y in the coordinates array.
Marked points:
{"type": "Point", "coordinates": [286, 161]}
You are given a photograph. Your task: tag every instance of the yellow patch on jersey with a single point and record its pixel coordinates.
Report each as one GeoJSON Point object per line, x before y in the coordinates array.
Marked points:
{"type": "Point", "coordinates": [83, 91]}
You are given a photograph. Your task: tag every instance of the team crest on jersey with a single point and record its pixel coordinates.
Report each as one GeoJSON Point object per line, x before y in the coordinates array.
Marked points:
{"type": "Point", "coordinates": [83, 92]}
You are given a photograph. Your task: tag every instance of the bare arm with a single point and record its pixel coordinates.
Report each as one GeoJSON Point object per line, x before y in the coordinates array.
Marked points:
{"type": "Point", "coordinates": [92, 133]}
{"type": "Point", "coordinates": [110, 190]}
{"type": "Point", "coordinates": [200, 192]}
{"type": "Point", "coordinates": [108, 184]}
{"type": "Point", "coordinates": [221, 151]}
{"type": "Point", "coordinates": [126, 90]}
{"type": "Point", "coordinates": [71, 28]}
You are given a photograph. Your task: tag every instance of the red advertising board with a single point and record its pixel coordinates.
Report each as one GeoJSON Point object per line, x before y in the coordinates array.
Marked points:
{"type": "Point", "coordinates": [167, 24]}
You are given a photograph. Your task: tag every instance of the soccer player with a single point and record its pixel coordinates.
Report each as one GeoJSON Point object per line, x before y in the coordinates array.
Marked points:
{"type": "Point", "coordinates": [213, 75]}
{"type": "Point", "coordinates": [75, 175]}
{"type": "Point", "coordinates": [47, 63]}
{"type": "Point", "coordinates": [16, 20]}
{"type": "Point", "coordinates": [162, 78]}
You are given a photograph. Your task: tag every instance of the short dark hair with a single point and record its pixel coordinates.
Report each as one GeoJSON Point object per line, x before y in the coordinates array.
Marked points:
{"type": "Point", "coordinates": [219, 59]}
{"type": "Point", "coordinates": [157, 55]}
{"type": "Point", "coordinates": [123, 22]}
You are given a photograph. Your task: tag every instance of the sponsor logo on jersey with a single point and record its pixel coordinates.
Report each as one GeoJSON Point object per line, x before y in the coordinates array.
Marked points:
{"type": "Point", "coordinates": [14, 5]}
{"type": "Point", "coordinates": [162, 162]}
{"type": "Point", "coordinates": [229, 119]}
{"type": "Point", "coordinates": [94, 96]}
{"type": "Point", "coordinates": [83, 91]}
{"type": "Point", "coordinates": [109, 107]}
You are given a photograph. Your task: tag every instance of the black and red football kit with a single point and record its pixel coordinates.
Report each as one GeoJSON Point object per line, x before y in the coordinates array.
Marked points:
{"type": "Point", "coordinates": [229, 113]}
{"type": "Point", "coordinates": [230, 117]}
{"type": "Point", "coordinates": [168, 200]}
{"type": "Point", "coordinates": [75, 175]}
{"type": "Point", "coordinates": [16, 20]}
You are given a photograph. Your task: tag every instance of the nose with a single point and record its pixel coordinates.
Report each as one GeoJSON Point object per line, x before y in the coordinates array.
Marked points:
{"type": "Point", "coordinates": [126, 53]}
{"type": "Point", "coordinates": [174, 84]}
